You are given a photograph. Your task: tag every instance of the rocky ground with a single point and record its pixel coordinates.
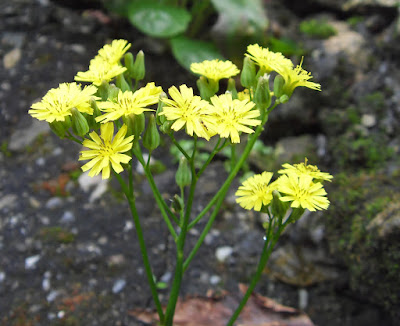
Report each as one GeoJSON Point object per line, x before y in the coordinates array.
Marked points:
{"type": "Point", "coordinates": [69, 254]}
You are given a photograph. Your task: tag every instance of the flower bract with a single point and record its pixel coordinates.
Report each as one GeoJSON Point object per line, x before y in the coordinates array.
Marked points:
{"type": "Point", "coordinates": [103, 150]}
{"type": "Point", "coordinates": [268, 60]}
{"type": "Point", "coordinates": [302, 192]}
{"type": "Point", "coordinates": [56, 105]}
{"type": "Point", "coordinates": [189, 111]}
{"type": "Point", "coordinates": [234, 116]}
{"type": "Point", "coordinates": [215, 69]}
{"type": "Point", "coordinates": [129, 102]}
{"type": "Point", "coordinates": [255, 192]}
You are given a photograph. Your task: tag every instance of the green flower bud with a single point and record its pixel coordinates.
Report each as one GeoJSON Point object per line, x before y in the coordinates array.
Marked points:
{"type": "Point", "coordinates": [102, 91]}
{"type": "Point", "coordinates": [183, 174]}
{"type": "Point", "coordinates": [279, 82]}
{"type": "Point", "coordinates": [248, 75]}
{"type": "Point", "coordinates": [151, 137]}
{"type": "Point", "coordinates": [129, 61]}
{"type": "Point", "coordinates": [122, 84]}
{"type": "Point", "coordinates": [207, 90]}
{"type": "Point", "coordinates": [177, 204]}
{"type": "Point", "coordinates": [166, 127]}
{"type": "Point", "coordinates": [135, 124]}
{"type": "Point", "coordinates": [284, 98]}
{"type": "Point", "coordinates": [138, 71]}
{"type": "Point", "coordinates": [91, 119]}
{"type": "Point", "coordinates": [60, 127]}
{"type": "Point", "coordinates": [278, 207]}
{"type": "Point", "coordinates": [80, 125]}
{"type": "Point", "coordinates": [232, 88]}
{"type": "Point", "coordinates": [160, 119]}
{"type": "Point", "coordinates": [262, 96]}
{"type": "Point", "coordinates": [112, 92]}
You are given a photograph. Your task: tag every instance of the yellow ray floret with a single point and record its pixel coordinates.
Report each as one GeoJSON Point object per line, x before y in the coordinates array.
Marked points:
{"type": "Point", "coordinates": [100, 70]}
{"type": "Point", "coordinates": [256, 191]}
{"type": "Point", "coordinates": [113, 53]}
{"type": "Point", "coordinates": [56, 105]}
{"type": "Point", "coordinates": [189, 111]}
{"type": "Point", "coordinates": [295, 77]}
{"type": "Point", "coordinates": [268, 60]}
{"type": "Point", "coordinates": [302, 192]}
{"type": "Point", "coordinates": [234, 116]}
{"type": "Point", "coordinates": [307, 169]}
{"type": "Point", "coordinates": [129, 102]}
{"type": "Point", "coordinates": [215, 69]}
{"type": "Point", "coordinates": [103, 150]}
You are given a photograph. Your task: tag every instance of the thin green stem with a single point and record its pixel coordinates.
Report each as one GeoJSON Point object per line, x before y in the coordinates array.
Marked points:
{"type": "Point", "coordinates": [179, 147]}
{"type": "Point", "coordinates": [210, 157]}
{"type": "Point", "coordinates": [233, 156]}
{"type": "Point", "coordinates": [157, 195]}
{"type": "Point", "coordinates": [142, 244]}
{"type": "Point", "coordinates": [270, 241]}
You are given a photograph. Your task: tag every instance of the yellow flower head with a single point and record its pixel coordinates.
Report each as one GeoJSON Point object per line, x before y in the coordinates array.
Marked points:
{"type": "Point", "coordinates": [215, 69]}
{"type": "Point", "coordinates": [266, 59]}
{"type": "Point", "coordinates": [189, 111]}
{"type": "Point", "coordinates": [129, 103]}
{"type": "Point", "coordinates": [234, 116]}
{"type": "Point", "coordinates": [245, 95]}
{"type": "Point", "coordinates": [104, 150]}
{"type": "Point", "coordinates": [295, 77]}
{"type": "Point", "coordinates": [302, 192]}
{"type": "Point", "coordinates": [99, 70]}
{"type": "Point", "coordinates": [56, 105]}
{"type": "Point", "coordinates": [112, 53]}
{"type": "Point", "coordinates": [304, 168]}
{"type": "Point", "coordinates": [256, 191]}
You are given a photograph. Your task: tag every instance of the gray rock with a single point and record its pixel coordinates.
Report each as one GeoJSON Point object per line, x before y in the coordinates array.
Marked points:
{"type": "Point", "coordinates": [118, 286]}
{"type": "Point", "coordinates": [24, 137]}
{"type": "Point", "coordinates": [54, 202]}
{"type": "Point", "coordinates": [8, 201]}
{"type": "Point", "coordinates": [30, 262]}
{"type": "Point", "coordinates": [67, 217]}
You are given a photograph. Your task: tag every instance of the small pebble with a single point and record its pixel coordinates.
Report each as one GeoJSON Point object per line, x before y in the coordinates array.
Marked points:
{"type": "Point", "coordinates": [52, 295]}
{"type": "Point", "coordinates": [2, 276]}
{"type": "Point", "coordinates": [223, 253]}
{"type": "Point", "coordinates": [303, 299]}
{"type": "Point", "coordinates": [68, 217]}
{"type": "Point", "coordinates": [53, 203]}
{"type": "Point", "coordinates": [118, 286]}
{"type": "Point", "coordinates": [30, 262]}
{"type": "Point", "coordinates": [215, 279]}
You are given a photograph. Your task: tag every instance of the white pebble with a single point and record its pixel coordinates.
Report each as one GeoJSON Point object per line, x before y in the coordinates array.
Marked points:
{"type": "Point", "coordinates": [118, 285]}
{"type": "Point", "coordinates": [30, 262]}
{"type": "Point", "coordinates": [223, 253]}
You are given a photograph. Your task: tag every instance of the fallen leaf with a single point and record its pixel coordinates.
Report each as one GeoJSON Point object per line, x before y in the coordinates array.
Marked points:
{"type": "Point", "coordinates": [216, 311]}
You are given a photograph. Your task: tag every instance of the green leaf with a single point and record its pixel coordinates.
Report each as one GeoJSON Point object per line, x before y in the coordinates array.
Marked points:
{"type": "Point", "coordinates": [158, 20]}
{"type": "Point", "coordinates": [241, 15]}
{"type": "Point", "coordinates": [186, 51]}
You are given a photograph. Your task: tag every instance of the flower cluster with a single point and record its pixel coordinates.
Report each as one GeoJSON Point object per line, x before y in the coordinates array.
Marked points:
{"type": "Point", "coordinates": [300, 185]}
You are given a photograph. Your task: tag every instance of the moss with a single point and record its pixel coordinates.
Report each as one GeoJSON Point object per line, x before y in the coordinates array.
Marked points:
{"type": "Point", "coordinates": [4, 149]}
{"type": "Point", "coordinates": [56, 234]}
{"type": "Point", "coordinates": [372, 260]}
{"type": "Point", "coordinates": [317, 28]}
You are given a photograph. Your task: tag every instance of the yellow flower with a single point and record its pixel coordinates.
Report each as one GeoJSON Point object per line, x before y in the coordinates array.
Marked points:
{"type": "Point", "coordinates": [304, 168]}
{"type": "Point", "coordinates": [104, 150]}
{"type": "Point", "coordinates": [112, 53]}
{"type": "Point", "coordinates": [245, 95]}
{"type": "Point", "coordinates": [295, 77]}
{"type": "Point", "coordinates": [129, 103]}
{"type": "Point", "coordinates": [302, 192]}
{"type": "Point", "coordinates": [189, 111]}
{"type": "Point", "coordinates": [234, 116]}
{"type": "Point", "coordinates": [266, 59]}
{"type": "Point", "coordinates": [99, 70]}
{"type": "Point", "coordinates": [256, 191]}
{"type": "Point", "coordinates": [215, 69]}
{"type": "Point", "coordinates": [56, 105]}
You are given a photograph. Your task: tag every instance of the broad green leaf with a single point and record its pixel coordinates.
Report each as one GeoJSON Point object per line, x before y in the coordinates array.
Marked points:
{"type": "Point", "coordinates": [241, 14]}
{"type": "Point", "coordinates": [158, 20]}
{"type": "Point", "coordinates": [186, 51]}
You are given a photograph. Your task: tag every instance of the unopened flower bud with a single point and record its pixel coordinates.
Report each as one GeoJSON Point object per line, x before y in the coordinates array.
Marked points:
{"type": "Point", "coordinates": [151, 137]}
{"type": "Point", "coordinates": [183, 174]}
{"type": "Point", "coordinates": [112, 92]}
{"type": "Point", "coordinates": [80, 125]}
{"type": "Point", "coordinates": [138, 71]}
{"type": "Point", "coordinates": [279, 82]}
{"type": "Point", "coordinates": [129, 61]}
{"type": "Point", "coordinates": [232, 88]}
{"type": "Point", "coordinates": [284, 98]}
{"type": "Point", "coordinates": [262, 96]}
{"type": "Point", "coordinates": [177, 204]}
{"type": "Point", "coordinates": [160, 119]}
{"type": "Point", "coordinates": [135, 124]}
{"type": "Point", "coordinates": [248, 75]}
{"type": "Point", "coordinates": [122, 84]}
{"type": "Point", "coordinates": [91, 119]}
{"type": "Point", "coordinates": [102, 91]}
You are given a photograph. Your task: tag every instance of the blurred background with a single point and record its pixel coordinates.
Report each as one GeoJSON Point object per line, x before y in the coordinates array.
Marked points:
{"type": "Point", "coordinates": [68, 251]}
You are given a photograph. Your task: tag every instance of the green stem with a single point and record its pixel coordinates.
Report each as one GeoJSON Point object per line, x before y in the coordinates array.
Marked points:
{"type": "Point", "coordinates": [179, 147]}
{"type": "Point", "coordinates": [179, 269]}
{"type": "Point", "coordinates": [210, 157]}
{"type": "Point", "coordinates": [266, 252]}
{"type": "Point", "coordinates": [142, 244]}
{"type": "Point", "coordinates": [157, 195]}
